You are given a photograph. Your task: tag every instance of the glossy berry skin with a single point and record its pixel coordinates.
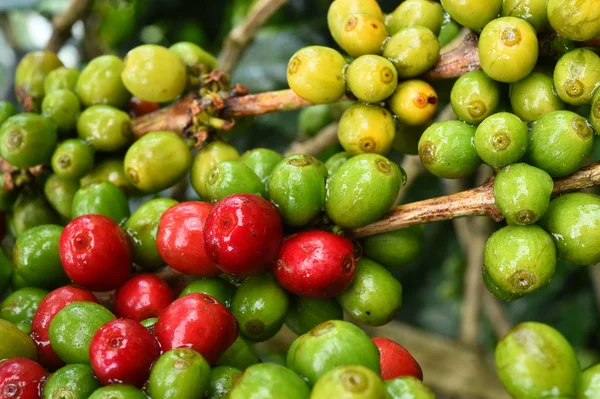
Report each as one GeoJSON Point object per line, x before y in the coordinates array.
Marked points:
{"type": "Point", "coordinates": [95, 253]}
{"type": "Point", "coordinates": [138, 107]}
{"type": "Point", "coordinates": [142, 297]}
{"type": "Point", "coordinates": [123, 351]}
{"type": "Point", "coordinates": [21, 378]}
{"type": "Point", "coordinates": [315, 264]}
{"type": "Point", "coordinates": [199, 322]}
{"type": "Point", "coordinates": [180, 239]}
{"type": "Point", "coordinates": [243, 234]}
{"type": "Point", "coordinates": [396, 361]}
{"type": "Point", "coordinates": [53, 302]}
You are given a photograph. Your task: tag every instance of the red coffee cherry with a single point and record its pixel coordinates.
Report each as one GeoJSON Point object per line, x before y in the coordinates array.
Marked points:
{"type": "Point", "coordinates": [95, 253]}
{"type": "Point", "coordinates": [53, 303]}
{"type": "Point", "coordinates": [21, 378]}
{"type": "Point", "coordinates": [123, 351]}
{"type": "Point", "coordinates": [180, 239]}
{"type": "Point", "coordinates": [197, 321]}
{"type": "Point", "coordinates": [396, 361]}
{"type": "Point", "coordinates": [143, 296]}
{"type": "Point", "coordinates": [315, 264]}
{"type": "Point", "coordinates": [138, 107]}
{"type": "Point", "coordinates": [243, 234]}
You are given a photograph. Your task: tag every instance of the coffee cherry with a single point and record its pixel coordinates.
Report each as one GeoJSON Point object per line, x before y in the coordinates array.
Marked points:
{"type": "Point", "coordinates": [101, 199]}
{"type": "Point", "coordinates": [472, 14]}
{"type": "Point", "coordinates": [232, 177]}
{"type": "Point", "coordinates": [522, 193]}
{"type": "Point", "coordinates": [114, 346]}
{"type": "Point", "coordinates": [137, 107]}
{"type": "Point", "coordinates": [30, 210]}
{"type": "Point", "coordinates": [578, 22]}
{"type": "Point", "coordinates": [20, 305]}
{"type": "Point", "coordinates": [62, 107]}
{"type": "Point", "coordinates": [501, 139]}
{"type": "Point", "coordinates": [198, 322]}
{"type": "Point", "coordinates": [118, 391]}
{"type": "Point", "coordinates": [221, 381]}
{"type": "Point", "coordinates": [30, 76]}
{"type": "Point", "coordinates": [399, 388]}
{"type": "Point", "coordinates": [52, 303]}
{"type": "Point", "coordinates": [414, 102]}
{"type": "Point", "coordinates": [371, 78]}
{"type": "Point", "coordinates": [573, 221]}
{"type": "Point", "coordinates": [329, 345]}
{"type": "Point", "coordinates": [178, 373]}
{"type": "Point", "coordinates": [239, 355]}
{"type": "Point", "coordinates": [366, 128]}
{"type": "Point", "coordinates": [560, 142]}
{"type": "Point", "coordinates": [100, 83]}
{"type": "Point", "coordinates": [192, 55]}
{"type": "Point", "coordinates": [15, 343]}
{"type": "Point", "coordinates": [304, 313]}
{"type": "Point", "coordinates": [534, 96]}
{"type": "Point", "coordinates": [495, 290]}
{"type": "Point", "coordinates": [334, 162]}
{"type": "Point", "coordinates": [362, 34]}
{"type": "Point", "coordinates": [76, 381]}
{"type": "Point", "coordinates": [61, 78]}
{"type": "Point", "coordinates": [218, 288]}
{"type": "Point", "coordinates": [27, 140]}
{"type": "Point", "coordinates": [474, 97]}
{"type": "Point", "coordinates": [532, 11]}
{"type": "Point", "coordinates": [352, 381]}
{"type": "Point", "coordinates": [447, 149]}
{"type": "Point", "coordinates": [110, 170]}
{"type": "Point", "coordinates": [207, 158]}
{"type": "Point", "coordinates": [595, 112]}
{"type": "Point", "coordinates": [60, 193]}
{"type": "Point", "coordinates": [7, 109]}
{"type": "Point", "coordinates": [577, 76]}
{"type": "Point", "coordinates": [262, 161]}
{"type": "Point", "coordinates": [242, 235]}
{"type": "Point", "coordinates": [316, 74]}
{"type": "Point", "coordinates": [21, 378]}
{"type": "Point", "coordinates": [587, 387]}
{"type": "Point", "coordinates": [180, 239]}
{"type": "Point", "coordinates": [142, 296]}
{"type": "Point", "coordinates": [106, 128]}
{"type": "Point", "coordinates": [396, 361]}
{"type": "Point", "coordinates": [95, 253]}
{"type": "Point", "coordinates": [73, 159]}
{"type": "Point", "coordinates": [412, 50]}
{"type": "Point", "coordinates": [524, 373]}
{"type": "Point", "coordinates": [153, 73]}
{"type": "Point", "coordinates": [520, 259]}
{"type": "Point", "coordinates": [416, 13]}
{"type": "Point", "coordinates": [269, 380]}
{"type": "Point", "coordinates": [340, 10]}
{"type": "Point", "coordinates": [395, 249]}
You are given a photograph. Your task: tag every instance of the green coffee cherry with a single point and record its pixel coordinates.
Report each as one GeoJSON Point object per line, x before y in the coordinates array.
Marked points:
{"type": "Point", "coordinates": [412, 50]}
{"type": "Point", "coordinates": [366, 128]}
{"type": "Point", "coordinates": [118, 391]}
{"type": "Point", "coordinates": [534, 97]}
{"type": "Point", "coordinates": [142, 228]}
{"type": "Point", "coordinates": [449, 31]}
{"type": "Point", "coordinates": [260, 307]}
{"type": "Point", "coordinates": [334, 162]}
{"type": "Point", "coordinates": [100, 83]}
{"type": "Point", "coordinates": [232, 177]}
{"type": "Point", "coordinates": [508, 49]}
{"type": "Point", "coordinates": [149, 323]}
{"type": "Point", "coordinates": [416, 13]}
{"type": "Point", "coordinates": [221, 381]}
{"type": "Point", "coordinates": [7, 109]}
{"type": "Point", "coordinates": [266, 380]}
{"type": "Point", "coordinates": [395, 249]}
{"type": "Point", "coordinates": [30, 210]}
{"type": "Point", "coordinates": [408, 386]}
{"type": "Point", "coordinates": [495, 290]}
{"type": "Point", "coordinates": [62, 107]}
{"type": "Point", "coordinates": [102, 198]}
{"type": "Point", "coordinates": [316, 74]}
{"type": "Point", "coordinates": [331, 344]}
{"type": "Point", "coordinates": [73, 381]}
{"type": "Point", "coordinates": [532, 11]}
{"type": "Point", "coordinates": [104, 127]}
{"type": "Point", "coordinates": [20, 305]}
{"type": "Point", "coordinates": [297, 188]}
{"type": "Point", "coordinates": [340, 10]}
{"type": "Point", "coordinates": [36, 259]}
{"type": "Point", "coordinates": [207, 158]}
{"type": "Point", "coordinates": [15, 343]}
{"type": "Point", "coordinates": [157, 161]}
{"type": "Point", "coordinates": [304, 314]}
{"type": "Point", "coordinates": [534, 359]}
{"type": "Point", "coordinates": [73, 159]}
{"type": "Point", "coordinates": [371, 78]}
{"type": "Point", "coordinates": [588, 387]}
{"type": "Point", "coordinates": [239, 355]}
{"type": "Point", "coordinates": [191, 54]}
{"type": "Point", "coordinates": [30, 76]}
{"type": "Point", "coordinates": [349, 382]}
{"type": "Point", "coordinates": [414, 102]}
{"type": "Point", "coordinates": [312, 119]}
{"type": "Point", "coordinates": [362, 190]}
{"type": "Point", "coordinates": [110, 170]}
{"type": "Point", "coordinates": [363, 34]}
{"type": "Point", "coordinates": [374, 296]}
{"type": "Point", "coordinates": [473, 14]}
{"type": "Point", "coordinates": [178, 373]}
{"type": "Point", "coordinates": [577, 76]}
{"type": "Point", "coordinates": [215, 287]}
{"type": "Point", "coordinates": [573, 220]}
{"type": "Point", "coordinates": [576, 21]}
{"type": "Point", "coordinates": [522, 193]}
{"type": "Point", "coordinates": [474, 97]}
{"type": "Point", "coordinates": [595, 111]}
{"type": "Point", "coordinates": [501, 139]}
{"type": "Point", "coordinates": [520, 259]}
{"type": "Point", "coordinates": [560, 143]}
{"type": "Point", "coordinates": [447, 149]}
{"type": "Point", "coordinates": [61, 79]}
{"type": "Point", "coordinates": [262, 161]}
{"type": "Point", "coordinates": [27, 140]}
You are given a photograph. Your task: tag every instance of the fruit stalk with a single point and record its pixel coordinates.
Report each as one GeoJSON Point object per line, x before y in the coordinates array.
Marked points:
{"type": "Point", "coordinates": [476, 201]}
{"type": "Point", "coordinates": [62, 23]}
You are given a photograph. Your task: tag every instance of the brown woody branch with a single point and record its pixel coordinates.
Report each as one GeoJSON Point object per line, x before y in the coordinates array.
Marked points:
{"type": "Point", "coordinates": [63, 23]}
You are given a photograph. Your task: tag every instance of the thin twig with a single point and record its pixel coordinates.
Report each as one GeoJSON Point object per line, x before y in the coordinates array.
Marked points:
{"type": "Point", "coordinates": [240, 37]}
{"type": "Point", "coordinates": [413, 167]}
{"type": "Point", "coordinates": [62, 23]}
{"type": "Point", "coordinates": [496, 315]}
{"type": "Point", "coordinates": [315, 145]}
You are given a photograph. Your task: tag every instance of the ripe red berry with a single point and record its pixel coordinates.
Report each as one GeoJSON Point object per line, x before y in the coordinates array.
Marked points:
{"type": "Point", "coordinates": [54, 302]}
{"type": "Point", "coordinates": [315, 264]}
{"type": "Point", "coordinates": [21, 378]}
{"type": "Point", "coordinates": [123, 351]}
{"type": "Point", "coordinates": [138, 107]}
{"type": "Point", "coordinates": [395, 361]}
{"type": "Point", "coordinates": [243, 234]}
{"type": "Point", "coordinates": [180, 239]}
{"type": "Point", "coordinates": [197, 321]}
{"type": "Point", "coordinates": [95, 253]}
{"type": "Point", "coordinates": [143, 296]}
